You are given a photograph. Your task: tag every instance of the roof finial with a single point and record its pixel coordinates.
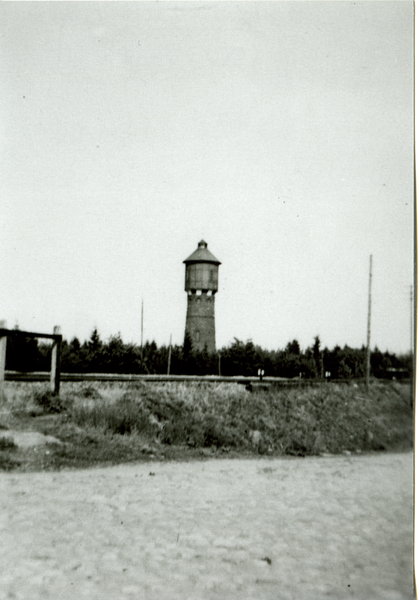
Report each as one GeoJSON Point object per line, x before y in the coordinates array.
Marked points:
{"type": "Point", "coordinates": [202, 244]}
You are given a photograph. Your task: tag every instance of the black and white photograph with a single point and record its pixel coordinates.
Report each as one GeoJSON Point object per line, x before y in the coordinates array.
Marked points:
{"type": "Point", "coordinates": [208, 300]}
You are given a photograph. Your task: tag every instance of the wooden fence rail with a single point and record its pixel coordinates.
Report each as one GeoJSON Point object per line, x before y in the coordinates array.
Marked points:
{"type": "Point", "coordinates": [254, 382]}
{"type": "Point", "coordinates": [54, 375]}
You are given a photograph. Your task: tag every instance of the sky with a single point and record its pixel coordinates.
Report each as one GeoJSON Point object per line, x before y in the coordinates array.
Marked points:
{"type": "Point", "coordinates": [281, 133]}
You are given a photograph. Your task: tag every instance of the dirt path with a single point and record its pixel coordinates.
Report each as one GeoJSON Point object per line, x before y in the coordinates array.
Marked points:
{"type": "Point", "coordinates": [313, 528]}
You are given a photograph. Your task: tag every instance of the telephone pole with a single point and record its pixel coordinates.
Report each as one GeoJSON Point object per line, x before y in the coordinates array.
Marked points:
{"type": "Point", "coordinates": [169, 355]}
{"type": "Point", "coordinates": [368, 325]}
{"type": "Point", "coordinates": [141, 342]}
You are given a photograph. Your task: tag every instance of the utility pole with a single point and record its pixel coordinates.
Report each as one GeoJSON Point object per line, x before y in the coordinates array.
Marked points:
{"type": "Point", "coordinates": [169, 355]}
{"type": "Point", "coordinates": [143, 369]}
{"type": "Point", "coordinates": [141, 343]}
{"type": "Point", "coordinates": [368, 325]}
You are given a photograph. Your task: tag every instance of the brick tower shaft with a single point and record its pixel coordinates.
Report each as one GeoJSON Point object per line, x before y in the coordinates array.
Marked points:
{"type": "Point", "coordinates": [200, 325]}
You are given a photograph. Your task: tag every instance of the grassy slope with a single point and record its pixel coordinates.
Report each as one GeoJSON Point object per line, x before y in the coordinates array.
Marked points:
{"type": "Point", "coordinates": [112, 423]}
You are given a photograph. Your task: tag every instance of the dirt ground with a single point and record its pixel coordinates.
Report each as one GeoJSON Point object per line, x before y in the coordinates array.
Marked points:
{"type": "Point", "coordinates": [313, 528]}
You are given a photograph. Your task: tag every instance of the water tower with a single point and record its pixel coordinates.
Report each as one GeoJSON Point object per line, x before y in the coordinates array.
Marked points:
{"type": "Point", "coordinates": [201, 279]}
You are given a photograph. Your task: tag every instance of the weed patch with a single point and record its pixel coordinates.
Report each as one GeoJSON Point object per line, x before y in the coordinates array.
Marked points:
{"type": "Point", "coordinates": [48, 402]}
{"type": "Point", "coordinates": [7, 443]}
{"type": "Point", "coordinates": [124, 417]}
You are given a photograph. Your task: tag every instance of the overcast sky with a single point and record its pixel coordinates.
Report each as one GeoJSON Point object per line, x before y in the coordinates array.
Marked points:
{"type": "Point", "coordinates": [280, 132]}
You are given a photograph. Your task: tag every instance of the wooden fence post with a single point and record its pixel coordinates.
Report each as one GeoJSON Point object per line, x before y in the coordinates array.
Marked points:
{"type": "Point", "coordinates": [3, 341]}
{"type": "Point", "coordinates": [55, 363]}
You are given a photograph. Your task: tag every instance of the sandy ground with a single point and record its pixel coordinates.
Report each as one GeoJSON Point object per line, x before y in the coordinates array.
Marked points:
{"type": "Point", "coordinates": [313, 528]}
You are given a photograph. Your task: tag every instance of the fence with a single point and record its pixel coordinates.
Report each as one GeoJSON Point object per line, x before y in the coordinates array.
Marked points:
{"type": "Point", "coordinates": [54, 376]}
{"type": "Point", "coordinates": [252, 383]}
{"type": "Point", "coordinates": [44, 376]}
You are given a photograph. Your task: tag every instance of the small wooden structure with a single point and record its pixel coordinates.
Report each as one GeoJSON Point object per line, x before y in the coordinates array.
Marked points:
{"type": "Point", "coordinates": [55, 352]}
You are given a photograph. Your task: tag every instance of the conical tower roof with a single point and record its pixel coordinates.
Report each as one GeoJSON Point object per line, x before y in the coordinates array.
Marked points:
{"type": "Point", "coordinates": [202, 254]}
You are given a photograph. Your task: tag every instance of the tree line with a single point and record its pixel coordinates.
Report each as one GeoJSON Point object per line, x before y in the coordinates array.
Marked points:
{"type": "Point", "coordinates": [239, 358]}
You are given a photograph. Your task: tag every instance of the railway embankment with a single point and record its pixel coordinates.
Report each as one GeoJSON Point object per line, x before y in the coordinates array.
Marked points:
{"type": "Point", "coordinates": [104, 423]}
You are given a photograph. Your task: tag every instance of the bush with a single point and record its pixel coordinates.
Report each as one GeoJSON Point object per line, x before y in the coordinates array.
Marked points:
{"type": "Point", "coordinates": [176, 432]}
{"type": "Point", "coordinates": [7, 443]}
{"type": "Point", "coordinates": [48, 401]}
{"type": "Point", "coordinates": [199, 433]}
